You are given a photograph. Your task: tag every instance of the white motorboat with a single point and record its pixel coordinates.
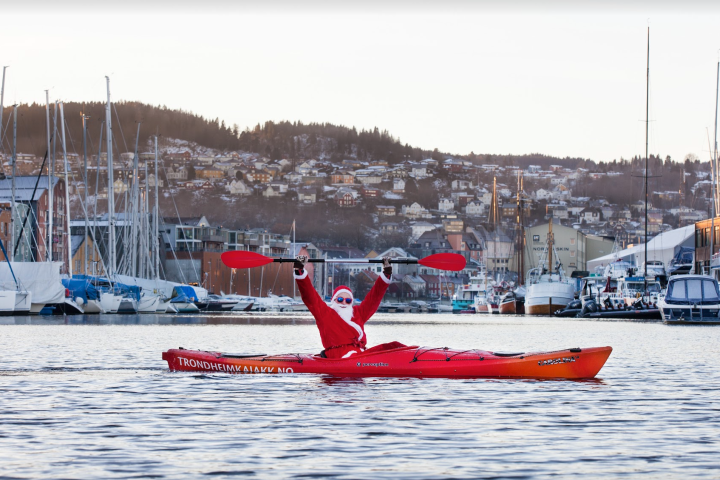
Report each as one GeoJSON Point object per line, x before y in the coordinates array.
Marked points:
{"type": "Point", "coordinates": [691, 299]}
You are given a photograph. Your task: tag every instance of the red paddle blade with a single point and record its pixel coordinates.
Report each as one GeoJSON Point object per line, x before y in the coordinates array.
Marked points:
{"type": "Point", "coordinates": [242, 259]}
{"type": "Point", "coordinates": [444, 261]}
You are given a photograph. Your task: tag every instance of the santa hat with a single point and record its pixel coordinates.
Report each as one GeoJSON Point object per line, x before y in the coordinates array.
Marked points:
{"type": "Point", "coordinates": [341, 290]}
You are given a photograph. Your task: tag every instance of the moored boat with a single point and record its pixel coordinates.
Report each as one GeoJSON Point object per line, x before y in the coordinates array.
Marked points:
{"type": "Point", "coordinates": [691, 299]}
{"type": "Point", "coordinates": [548, 289]}
{"type": "Point", "coordinates": [574, 363]}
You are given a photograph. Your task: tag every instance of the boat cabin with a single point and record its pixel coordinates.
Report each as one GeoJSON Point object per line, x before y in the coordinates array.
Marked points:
{"type": "Point", "coordinates": [692, 290]}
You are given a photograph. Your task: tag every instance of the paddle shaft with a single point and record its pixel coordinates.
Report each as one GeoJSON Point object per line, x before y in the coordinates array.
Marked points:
{"type": "Point", "coordinates": [403, 261]}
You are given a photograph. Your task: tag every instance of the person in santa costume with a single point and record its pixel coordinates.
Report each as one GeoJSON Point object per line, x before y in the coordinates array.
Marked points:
{"type": "Point", "coordinates": [341, 323]}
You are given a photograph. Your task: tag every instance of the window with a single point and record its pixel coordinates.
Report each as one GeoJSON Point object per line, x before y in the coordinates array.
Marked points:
{"type": "Point", "coordinates": [536, 238]}
{"type": "Point", "coordinates": [572, 241]}
{"type": "Point", "coordinates": [710, 292]}
{"type": "Point", "coordinates": [572, 253]}
{"type": "Point", "coordinates": [693, 289]}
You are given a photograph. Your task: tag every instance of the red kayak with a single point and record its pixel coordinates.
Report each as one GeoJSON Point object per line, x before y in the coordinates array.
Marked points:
{"type": "Point", "coordinates": [574, 363]}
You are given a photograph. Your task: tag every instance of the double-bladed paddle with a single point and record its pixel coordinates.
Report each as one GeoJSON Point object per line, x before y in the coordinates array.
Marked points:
{"type": "Point", "coordinates": [440, 261]}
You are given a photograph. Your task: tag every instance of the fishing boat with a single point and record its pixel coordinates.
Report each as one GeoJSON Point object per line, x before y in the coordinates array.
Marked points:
{"type": "Point", "coordinates": [507, 304]}
{"type": "Point", "coordinates": [464, 297]}
{"type": "Point", "coordinates": [413, 361]}
{"type": "Point", "coordinates": [548, 288]}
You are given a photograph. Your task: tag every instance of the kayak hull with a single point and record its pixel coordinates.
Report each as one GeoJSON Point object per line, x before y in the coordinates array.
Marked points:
{"type": "Point", "coordinates": [573, 363]}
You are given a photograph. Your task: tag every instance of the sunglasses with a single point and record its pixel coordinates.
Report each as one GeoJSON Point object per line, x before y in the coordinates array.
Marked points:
{"type": "Point", "coordinates": [346, 300]}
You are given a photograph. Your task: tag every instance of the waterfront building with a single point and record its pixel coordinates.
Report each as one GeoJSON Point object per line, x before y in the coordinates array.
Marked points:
{"type": "Point", "coordinates": [573, 247]}
{"type": "Point", "coordinates": [32, 191]}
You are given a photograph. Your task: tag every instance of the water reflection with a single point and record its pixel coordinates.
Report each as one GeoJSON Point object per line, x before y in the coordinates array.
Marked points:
{"type": "Point", "coordinates": [162, 319]}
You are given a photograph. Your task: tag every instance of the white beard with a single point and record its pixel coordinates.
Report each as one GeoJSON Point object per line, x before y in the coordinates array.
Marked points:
{"type": "Point", "coordinates": [345, 311]}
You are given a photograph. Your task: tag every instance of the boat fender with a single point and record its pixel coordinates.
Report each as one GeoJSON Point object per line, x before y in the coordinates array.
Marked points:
{"type": "Point", "coordinates": [575, 350]}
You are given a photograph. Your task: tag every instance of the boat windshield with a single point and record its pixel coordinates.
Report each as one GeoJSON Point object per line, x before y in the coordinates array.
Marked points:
{"type": "Point", "coordinates": [693, 290]}
{"type": "Point", "coordinates": [640, 287]}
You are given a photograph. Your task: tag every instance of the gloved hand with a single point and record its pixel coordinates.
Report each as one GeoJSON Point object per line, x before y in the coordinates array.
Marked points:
{"type": "Point", "coordinates": [387, 268]}
{"type": "Point", "coordinates": [299, 263]}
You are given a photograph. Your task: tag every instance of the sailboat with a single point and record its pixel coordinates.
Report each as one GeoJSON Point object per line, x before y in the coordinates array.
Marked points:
{"type": "Point", "coordinates": [548, 288]}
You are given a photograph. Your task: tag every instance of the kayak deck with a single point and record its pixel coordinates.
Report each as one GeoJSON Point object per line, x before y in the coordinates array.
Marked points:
{"type": "Point", "coordinates": [574, 363]}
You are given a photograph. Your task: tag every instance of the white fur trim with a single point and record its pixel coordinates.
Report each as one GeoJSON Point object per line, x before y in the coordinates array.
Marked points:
{"type": "Point", "coordinates": [351, 352]}
{"type": "Point", "coordinates": [385, 279]}
{"type": "Point", "coordinates": [301, 276]}
{"type": "Point", "coordinates": [356, 327]}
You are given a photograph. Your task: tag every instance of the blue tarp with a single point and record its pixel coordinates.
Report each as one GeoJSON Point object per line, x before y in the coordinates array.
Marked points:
{"type": "Point", "coordinates": [80, 287]}
{"type": "Point", "coordinates": [100, 283]}
{"type": "Point", "coordinates": [186, 291]}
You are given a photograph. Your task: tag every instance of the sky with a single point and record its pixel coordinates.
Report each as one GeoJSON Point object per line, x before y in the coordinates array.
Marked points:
{"type": "Point", "coordinates": [559, 78]}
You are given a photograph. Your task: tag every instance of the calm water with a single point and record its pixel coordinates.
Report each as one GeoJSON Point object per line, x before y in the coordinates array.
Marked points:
{"type": "Point", "coordinates": [93, 399]}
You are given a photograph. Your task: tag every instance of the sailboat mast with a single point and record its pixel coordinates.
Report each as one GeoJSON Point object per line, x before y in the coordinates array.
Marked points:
{"type": "Point", "coordinates": [714, 170]}
{"type": "Point", "coordinates": [146, 224]}
{"type": "Point", "coordinates": [521, 229]}
{"type": "Point", "coordinates": [550, 248]}
{"type": "Point", "coordinates": [97, 183]}
{"type": "Point", "coordinates": [12, 200]}
{"type": "Point", "coordinates": [85, 179]}
{"type": "Point", "coordinates": [67, 191]}
{"type": "Point", "coordinates": [48, 254]}
{"type": "Point", "coordinates": [2, 103]}
{"type": "Point", "coordinates": [294, 251]}
{"type": "Point", "coordinates": [647, 126]}
{"type": "Point", "coordinates": [111, 193]}
{"type": "Point", "coordinates": [156, 236]}
{"type": "Point", "coordinates": [135, 207]}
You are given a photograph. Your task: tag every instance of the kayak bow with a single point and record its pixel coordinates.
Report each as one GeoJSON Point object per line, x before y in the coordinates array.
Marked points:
{"type": "Point", "coordinates": [574, 363]}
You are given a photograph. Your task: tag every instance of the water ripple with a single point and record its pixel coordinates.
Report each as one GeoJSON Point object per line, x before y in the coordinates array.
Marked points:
{"type": "Point", "coordinates": [96, 401]}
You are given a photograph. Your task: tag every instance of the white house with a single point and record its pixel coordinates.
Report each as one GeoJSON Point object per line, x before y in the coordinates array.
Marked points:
{"type": "Point", "coordinates": [542, 194]}
{"type": "Point", "coordinates": [151, 181]}
{"type": "Point", "coordinates": [238, 187]}
{"type": "Point", "coordinates": [446, 205]}
{"type": "Point", "coordinates": [415, 211]}
{"type": "Point", "coordinates": [307, 196]}
{"type": "Point", "coordinates": [474, 208]}
{"type": "Point", "coordinates": [398, 185]}
{"type": "Point", "coordinates": [461, 184]}
{"type": "Point", "coordinates": [418, 170]}
{"type": "Point", "coordinates": [418, 228]}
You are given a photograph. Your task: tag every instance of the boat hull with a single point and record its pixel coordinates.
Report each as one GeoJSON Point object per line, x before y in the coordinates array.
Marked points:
{"type": "Point", "coordinates": [508, 307]}
{"type": "Point", "coordinates": [543, 309]}
{"type": "Point", "coordinates": [573, 363]}
{"type": "Point", "coordinates": [548, 297]}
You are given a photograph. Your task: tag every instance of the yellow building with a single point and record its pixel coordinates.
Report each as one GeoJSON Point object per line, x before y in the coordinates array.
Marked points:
{"type": "Point", "coordinates": [94, 264]}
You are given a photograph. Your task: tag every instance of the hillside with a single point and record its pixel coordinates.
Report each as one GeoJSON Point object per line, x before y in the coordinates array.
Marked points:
{"type": "Point", "coordinates": [273, 140]}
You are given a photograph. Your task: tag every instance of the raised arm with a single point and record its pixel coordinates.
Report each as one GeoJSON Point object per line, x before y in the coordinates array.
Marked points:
{"type": "Point", "coordinates": [309, 295]}
{"type": "Point", "coordinates": [370, 304]}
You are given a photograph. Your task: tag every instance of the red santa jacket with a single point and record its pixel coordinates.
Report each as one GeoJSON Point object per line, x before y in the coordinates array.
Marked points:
{"type": "Point", "coordinates": [338, 336]}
